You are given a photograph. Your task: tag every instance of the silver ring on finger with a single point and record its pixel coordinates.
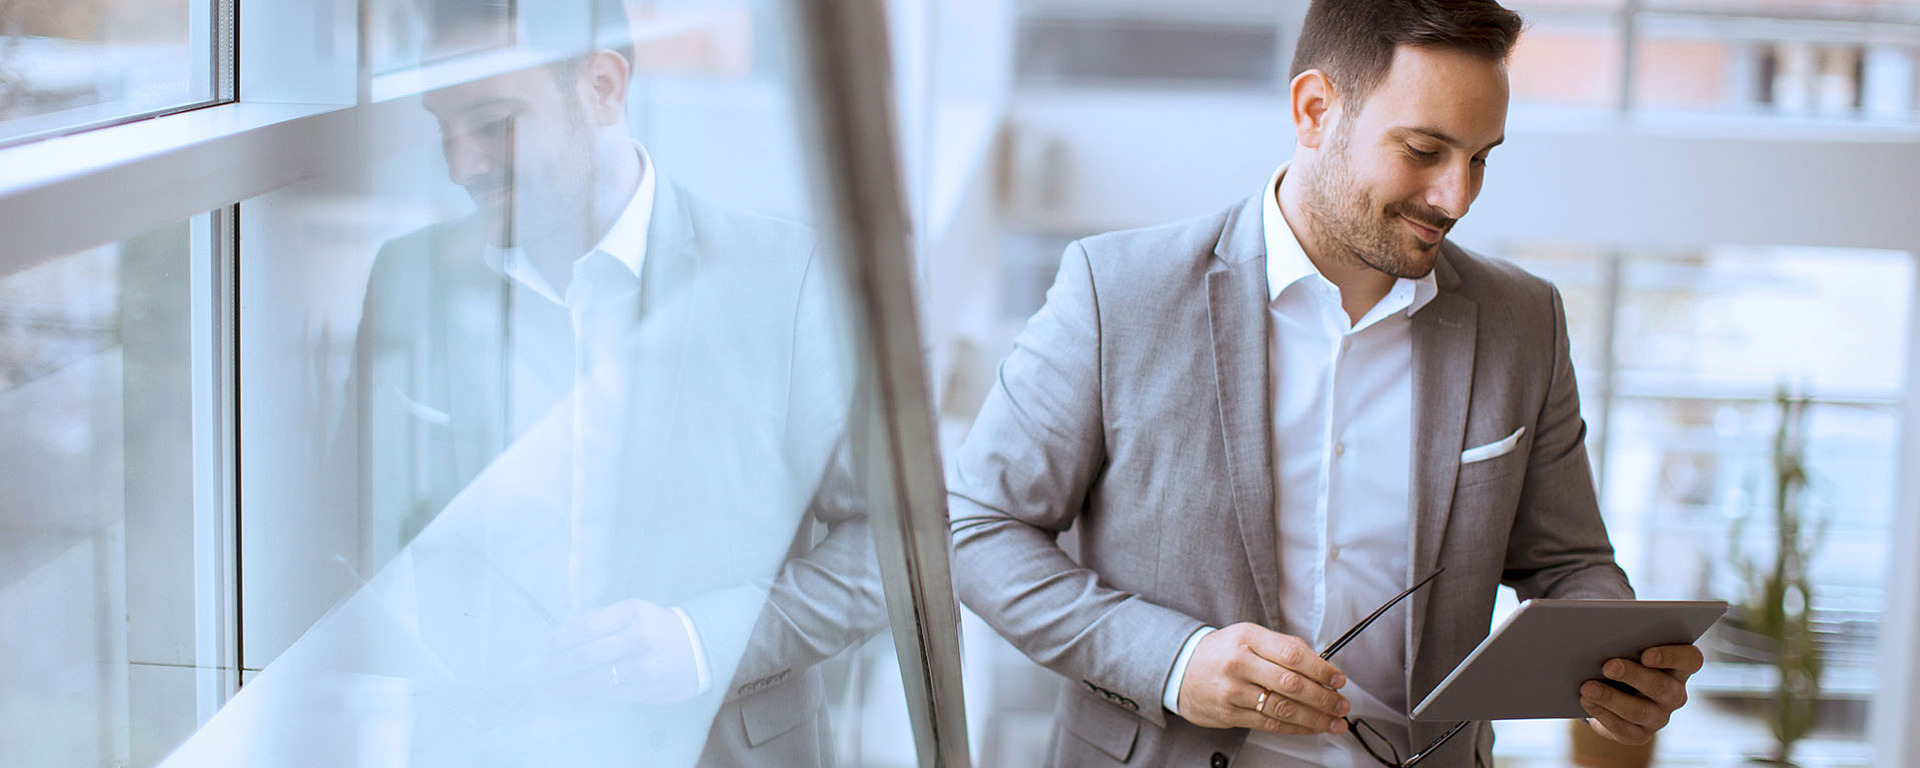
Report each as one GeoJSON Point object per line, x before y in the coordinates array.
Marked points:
{"type": "Point", "coordinates": [1261, 705]}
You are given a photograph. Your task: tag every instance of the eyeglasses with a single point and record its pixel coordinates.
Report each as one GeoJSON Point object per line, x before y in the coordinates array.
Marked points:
{"type": "Point", "coordinates": [1370, 738]}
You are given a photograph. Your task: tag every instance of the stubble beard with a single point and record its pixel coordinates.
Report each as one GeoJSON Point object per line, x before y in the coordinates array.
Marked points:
{"type": "Point", "coordinates": [543, 205]}
{"type": "Point", "coordinates": [1346, 218]}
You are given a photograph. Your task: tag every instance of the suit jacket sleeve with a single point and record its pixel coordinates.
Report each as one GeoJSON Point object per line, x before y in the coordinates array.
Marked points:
{"type": "Point", "coordinates": [1559, 545]}
{"type": "Point", "coordinates": [826, 597]}
{"type": "Point", "coordinates": [1021, 478]}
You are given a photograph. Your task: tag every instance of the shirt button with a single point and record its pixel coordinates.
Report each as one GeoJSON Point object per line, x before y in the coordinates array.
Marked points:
{"type": "Point", "coordinates": [1346, 345]}
{"type": "Point", "coordinates": [1333, 550]}
{"type": "Point", "coordinates": [1339, 449]}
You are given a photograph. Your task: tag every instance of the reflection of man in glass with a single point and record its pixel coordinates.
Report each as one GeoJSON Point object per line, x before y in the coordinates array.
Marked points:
{"type": "Point", "coordinates": [636, 401]}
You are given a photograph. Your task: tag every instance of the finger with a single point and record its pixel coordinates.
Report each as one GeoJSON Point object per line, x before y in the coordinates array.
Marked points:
{"type": "Point", "coordinates": [1684, 660]}
{"type": "Point", "coordinates": [1271, 725]}
{"type": "Point", "coordinates": [1614, 727]}
{"type": "Point", "coordinates": [1293, 654]}
{"type": "Point", "coordinates": [1658, 685]}
{"type": "Point", "coordinates": [1628, 707]}
{"type": "Point", "coordinates": [1286, 683]}
{"type": "Point", "coordinates": [1248, 717]}
{"type": "Point", "coordinates": [1291, 711]}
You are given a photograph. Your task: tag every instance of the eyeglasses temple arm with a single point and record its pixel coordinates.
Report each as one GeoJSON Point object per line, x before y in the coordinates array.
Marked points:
{"type": "Point", "coordinates": [1357, 628]}
{"type": "Point", "coordinates": [1437, 743]}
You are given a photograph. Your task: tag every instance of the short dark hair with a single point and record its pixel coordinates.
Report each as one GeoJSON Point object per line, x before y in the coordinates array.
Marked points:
{"type": "Point", "coordinates": [1353, 40]}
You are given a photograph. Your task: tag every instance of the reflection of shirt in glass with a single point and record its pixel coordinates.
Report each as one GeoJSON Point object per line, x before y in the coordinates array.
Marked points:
{"type": "Point", "coordinates": [543, 325]}
{"type": "Point", "coordinates": [559, 342]}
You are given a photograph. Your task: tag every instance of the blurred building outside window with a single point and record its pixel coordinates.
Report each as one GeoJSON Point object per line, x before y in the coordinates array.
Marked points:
{"type": "Point", "coordinates": [67, 64]}
{"type": "Point", "coordinates": [1832, 61]}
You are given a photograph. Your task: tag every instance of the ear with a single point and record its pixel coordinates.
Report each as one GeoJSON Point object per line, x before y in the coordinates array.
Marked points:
{"type": "Point", "coordinates": [606, 87]}
{"type": "Point", "coordinates": [1314, 107]}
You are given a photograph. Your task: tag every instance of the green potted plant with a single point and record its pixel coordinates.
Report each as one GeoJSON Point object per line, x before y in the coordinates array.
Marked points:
{"type": "Point", "coordinates": [1777, 613]}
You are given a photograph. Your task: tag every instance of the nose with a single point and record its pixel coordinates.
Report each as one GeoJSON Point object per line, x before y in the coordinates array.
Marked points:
{"type": "Point", "coordinates": [467, 159]}
{"type": "Point", "coordinates": [1453, 191]}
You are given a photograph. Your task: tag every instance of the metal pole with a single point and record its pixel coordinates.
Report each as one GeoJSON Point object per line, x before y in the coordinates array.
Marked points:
{"type": "Point", "coordinates": [850, 119]}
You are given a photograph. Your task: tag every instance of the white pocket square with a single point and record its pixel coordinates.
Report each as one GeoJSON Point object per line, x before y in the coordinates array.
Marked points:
{"type": "Point", "coordinates": [1492, 450]}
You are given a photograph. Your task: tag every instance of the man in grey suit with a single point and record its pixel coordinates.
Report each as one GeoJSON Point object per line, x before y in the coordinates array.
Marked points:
{"type": "Point", "coordinates": [661, 385]}
{"type": "Point", "coordinates": [1267, 421]}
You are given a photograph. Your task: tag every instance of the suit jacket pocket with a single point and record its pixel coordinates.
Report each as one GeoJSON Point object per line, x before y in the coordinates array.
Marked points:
{"type": "Point", "coordinates": [1107, 727]}
{"type": "Point", "coordinates": [1494, 449]}
{"type": "Point", "coordinates": [1493, 461]}
{"type": "Point", "coordinates": [779, 709]}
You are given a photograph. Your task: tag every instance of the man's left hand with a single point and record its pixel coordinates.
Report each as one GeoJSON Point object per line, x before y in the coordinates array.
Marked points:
{"type": "Point", "coordinates": [1660, 677]}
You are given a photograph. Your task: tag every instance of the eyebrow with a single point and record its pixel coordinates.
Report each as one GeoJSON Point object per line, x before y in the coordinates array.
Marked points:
{"type": "Point", "coordinates": [1442, 137]}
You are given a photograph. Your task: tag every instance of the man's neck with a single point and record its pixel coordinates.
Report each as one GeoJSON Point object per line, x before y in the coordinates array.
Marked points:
{"type": "Point", "coordinates": [1361, 286]}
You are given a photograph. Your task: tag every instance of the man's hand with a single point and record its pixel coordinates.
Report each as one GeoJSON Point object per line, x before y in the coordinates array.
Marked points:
{"type": "Point", "coordinates": [1231, 667]}
{"type": "Point", "coordinates": [630, 651]}
{"type": "Point", "coordinates": [1660, 676]}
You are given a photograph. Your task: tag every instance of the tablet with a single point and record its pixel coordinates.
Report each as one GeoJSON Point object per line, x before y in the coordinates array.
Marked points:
{"type": "Point", "coordinates": [1533, 664]}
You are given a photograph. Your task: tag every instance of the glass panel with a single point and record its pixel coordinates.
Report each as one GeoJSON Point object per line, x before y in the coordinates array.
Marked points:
{"type": "Point", "coordinates": [97, 533]}
{"type": "Point", "coordinates": [1567, 58]}
{"type": "Point", "coordinates": [555, 436]}
{"type": "Point", "coordinates": [407, 33]}
{"type": "Point", "coordinates": [67, 64]}
{"type": "Point", "coordinates": [1148, 50]}
{"type": "Point", "coordinates": [1784, 67]}
{"type": "Point", "coordinates": [1746, 319]}
{"type": "Point", "coordinates": [1888, 10]}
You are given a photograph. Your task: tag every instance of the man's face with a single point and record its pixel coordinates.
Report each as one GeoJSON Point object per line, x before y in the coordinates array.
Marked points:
{"type": "Point", "coordinates": [521, 145]}
{"type": "Point", "coordinates": [1395, 176]}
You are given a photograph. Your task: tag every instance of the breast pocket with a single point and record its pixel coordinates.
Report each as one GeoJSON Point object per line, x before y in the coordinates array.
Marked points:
{"type": "Point", "coordinates": [1494, 460]}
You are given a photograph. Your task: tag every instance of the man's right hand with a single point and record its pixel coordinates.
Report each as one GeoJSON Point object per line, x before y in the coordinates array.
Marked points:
{"type": "Point", "coordinates": [1232, 666]}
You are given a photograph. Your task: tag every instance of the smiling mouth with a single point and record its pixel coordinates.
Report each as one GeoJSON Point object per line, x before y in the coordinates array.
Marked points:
{"type": "Point", "coordinates": [1429, 235]}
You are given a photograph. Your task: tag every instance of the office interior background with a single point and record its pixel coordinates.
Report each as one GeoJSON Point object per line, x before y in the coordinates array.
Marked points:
{"type": "Point", "coordinates": [193, 194]}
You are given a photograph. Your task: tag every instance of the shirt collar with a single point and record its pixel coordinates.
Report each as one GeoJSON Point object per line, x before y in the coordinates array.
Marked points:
{"type": "Point", "coordinates": [627, 240]}
{"type": "Point", "coordinates": [1287, 262]}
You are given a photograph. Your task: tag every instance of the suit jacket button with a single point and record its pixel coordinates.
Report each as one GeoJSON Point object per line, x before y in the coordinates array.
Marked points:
{"type": "Point", "coordinates": [1219, 760]}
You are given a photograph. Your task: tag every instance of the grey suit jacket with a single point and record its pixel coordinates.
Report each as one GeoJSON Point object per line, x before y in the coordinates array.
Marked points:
{"type": "Point", "coordinates": [1135, 405]}
{"type": "Point", "coordinates": [743, 395]}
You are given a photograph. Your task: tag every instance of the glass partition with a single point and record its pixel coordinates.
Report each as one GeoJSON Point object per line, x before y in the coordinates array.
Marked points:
{"type": "Point", "coordinates": [560, 439]}
{"type": "Point", "coordinates": [99, 534]}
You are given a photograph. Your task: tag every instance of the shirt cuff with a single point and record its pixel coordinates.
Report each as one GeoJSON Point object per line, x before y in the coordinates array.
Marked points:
{"type": "Point", "coordinates": [1171, 699]}
{"type": "Point", "coordinates": [699, 653]}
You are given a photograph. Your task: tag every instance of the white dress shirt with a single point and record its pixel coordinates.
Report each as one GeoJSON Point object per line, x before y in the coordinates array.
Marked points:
{"type": "Point", "coordinates": [1342, 408]}
{"type": "Point", "coordinates": [570, 343]}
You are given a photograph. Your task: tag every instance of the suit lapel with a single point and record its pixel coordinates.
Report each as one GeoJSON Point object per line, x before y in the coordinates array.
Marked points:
{"type": "Point", "coordinates": [1443, 347]}
{"type": "Point", "coordinates": [660, 341]}
{"type": "Point", "coordinates": [1237, 317]}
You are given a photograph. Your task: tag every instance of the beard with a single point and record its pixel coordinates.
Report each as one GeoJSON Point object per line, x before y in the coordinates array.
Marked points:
{"type": "Point", "coordinates": [541, 194]}
{"type": "Point", "coordinates": [1347, 218]}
